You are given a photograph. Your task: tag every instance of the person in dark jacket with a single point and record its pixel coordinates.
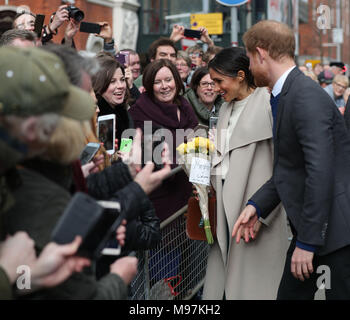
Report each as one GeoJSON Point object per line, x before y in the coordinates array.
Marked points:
{"type": "Point", "coordinates": [163, 105]}
{"type": "Point", "coordinates": [112, 92]}
{"type": "Point", "coordinates": [347, 115]}
{"type": "Point", "coordinates": [205, 101]}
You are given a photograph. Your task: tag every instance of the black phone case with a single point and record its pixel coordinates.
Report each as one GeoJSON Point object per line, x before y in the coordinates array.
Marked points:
{"type": "Point", "coordinates": [86, 218]}
{"type": "Point", "coordinates": [192, 33]}
{"type": "Point", "coordinates": [89, 27]}
{"type": "Point", "coordinates": [38, 24]}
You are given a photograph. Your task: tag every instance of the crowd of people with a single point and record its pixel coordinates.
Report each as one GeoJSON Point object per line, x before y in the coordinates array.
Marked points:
{"type": "Point", "coordinates": [281, 155]}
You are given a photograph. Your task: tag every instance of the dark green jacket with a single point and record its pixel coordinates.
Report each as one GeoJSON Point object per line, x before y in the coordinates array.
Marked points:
{"type": "Point", "coordinates": [202, 112]}
{"type": "Point", "coordinates": [39, 203]}
{"type": "Point", "coordinates": [5, 286]}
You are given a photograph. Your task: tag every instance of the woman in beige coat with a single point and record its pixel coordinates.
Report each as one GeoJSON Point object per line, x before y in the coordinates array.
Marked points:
{"type": "Point", "coordinates": [242, 163]}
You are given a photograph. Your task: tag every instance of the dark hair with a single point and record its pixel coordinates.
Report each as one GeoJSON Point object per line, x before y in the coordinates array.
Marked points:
{"type": "Point", "coordinates": [150, 74]}
{"type": "Point", "coordinates": [152, 51]}
{"type": "Point", "coordinates": [102, 79]}
{"type": "Point", "coordinates": [10, 35]}
{"type": "Point", "coordinates": [230, 61]}
{"type": "Point", "coordinates": [211, 51]}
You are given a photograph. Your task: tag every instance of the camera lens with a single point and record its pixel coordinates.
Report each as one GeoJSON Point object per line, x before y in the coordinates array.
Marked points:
{"type": "Point", "coordinates": [76, 14]}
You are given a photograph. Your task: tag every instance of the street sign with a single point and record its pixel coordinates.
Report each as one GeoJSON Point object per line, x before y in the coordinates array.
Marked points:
{"type": "Point", "coordinates": [212, 21]}
{"type": "Point", "coordinates": [232, 3]}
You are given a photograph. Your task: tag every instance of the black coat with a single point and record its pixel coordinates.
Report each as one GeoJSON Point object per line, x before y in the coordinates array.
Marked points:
{"type": "Point", "coordinates": [347, 114]}
{"type": "Point", "coordinates": [115, 183]}
{"type": "Point", "coordinates": [311, 173]}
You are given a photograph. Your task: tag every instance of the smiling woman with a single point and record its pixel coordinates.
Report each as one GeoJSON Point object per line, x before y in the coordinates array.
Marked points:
{"type": "Point", "coordinates": [205, 101]}
{"type": "Point", "coordinates": [112, 92]}
{"type": "Point", "coordinates": [164, 107]}
{"type": "Point", "coordinates": [243, 161]}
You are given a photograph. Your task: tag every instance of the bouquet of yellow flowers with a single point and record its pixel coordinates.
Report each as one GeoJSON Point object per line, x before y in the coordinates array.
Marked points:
{"type": "Point", "coordinates": [196, 163]}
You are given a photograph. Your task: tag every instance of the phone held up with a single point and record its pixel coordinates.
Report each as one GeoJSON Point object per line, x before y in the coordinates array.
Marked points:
{"type": "Point", "coordinates": [89, 27]}
{"type": "Point", "coordinates": [38, 24]}
{"type": "Point", "coordinates": [89, 152]}
{"type": "Point", "coordinates": [189, 33]}
{"type": "Point", "coordinates": [123, 57]}
{"type": "Point", "coordinates": [106, 132]}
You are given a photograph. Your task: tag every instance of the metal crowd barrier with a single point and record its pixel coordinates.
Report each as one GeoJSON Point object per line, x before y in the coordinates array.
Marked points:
{"type": "Point", "coordinates": [176, 268]}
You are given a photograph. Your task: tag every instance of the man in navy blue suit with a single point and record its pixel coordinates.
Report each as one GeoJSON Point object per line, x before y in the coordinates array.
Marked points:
{"type": "Point", "coordinates": [311, 168]}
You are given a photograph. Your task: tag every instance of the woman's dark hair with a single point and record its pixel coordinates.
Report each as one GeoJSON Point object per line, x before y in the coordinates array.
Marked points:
{"type": "Point", "coordinates": [102, 79]}
{"type": "Point", "coordinates": [230, 61]}
{"type": "Point", "coordinates": [150, 74]}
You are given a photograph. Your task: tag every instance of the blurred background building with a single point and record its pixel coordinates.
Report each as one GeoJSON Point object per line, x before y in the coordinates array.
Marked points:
{"type": "Point", "coordinates": [136, 23]}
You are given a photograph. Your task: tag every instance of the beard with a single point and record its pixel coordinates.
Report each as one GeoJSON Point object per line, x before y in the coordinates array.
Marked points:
{"type": "Point", "coordinates": [260, 78]}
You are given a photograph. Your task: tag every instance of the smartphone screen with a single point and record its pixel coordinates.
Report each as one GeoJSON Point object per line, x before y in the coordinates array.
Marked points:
{"type": "Point", "coordinates": [106, 133]}
{"type": "Point", "coordinates": [126, 145]}
{"type": "Point", "coordinates": [89, 27]}
{"type": "Point", "coordinates": [89, 152]}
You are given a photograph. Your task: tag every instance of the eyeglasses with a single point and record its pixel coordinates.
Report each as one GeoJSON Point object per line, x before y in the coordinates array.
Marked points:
{"type": "Point", "coordinates": [181, 65]}
{"type": "Point", "coordinates": [340, 85]}
{"type": "Point", "coordinates": [207, 84]}
{"type": "Point", "coordinates": [196, 54]}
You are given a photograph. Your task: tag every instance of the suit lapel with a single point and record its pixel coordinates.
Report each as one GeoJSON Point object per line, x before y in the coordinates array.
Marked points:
{"type": "Point", "coordinates": [291, 77]}
{"type": "Point", "coordinates": [281, 105]}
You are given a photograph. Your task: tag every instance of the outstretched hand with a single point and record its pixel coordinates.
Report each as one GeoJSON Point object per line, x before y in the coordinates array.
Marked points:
{"type": "Point", "coordinates": [245, 224]}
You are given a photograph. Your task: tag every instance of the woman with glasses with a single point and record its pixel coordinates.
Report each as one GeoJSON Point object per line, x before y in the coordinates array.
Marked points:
{"type": "Point", "coordinates": [243, 161]}
{"type": "Point", "coordinates": [196, 54]}
{"type": "Point", "coordinates": [183, 65]}
{"type": "Point", "coordinates": [204, 100]}
{"type": "Point", "coordinates": [337, 89]}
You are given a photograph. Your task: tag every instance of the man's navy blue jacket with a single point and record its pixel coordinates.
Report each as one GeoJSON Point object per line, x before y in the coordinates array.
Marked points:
{"type": "Point", "coordinates": [311, 173]}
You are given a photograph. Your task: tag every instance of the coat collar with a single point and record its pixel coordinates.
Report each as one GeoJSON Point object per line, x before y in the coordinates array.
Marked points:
{"type": "Point", "coordinates": [254, 124]}
{"type": "Point", "coordinates": [290, 79]}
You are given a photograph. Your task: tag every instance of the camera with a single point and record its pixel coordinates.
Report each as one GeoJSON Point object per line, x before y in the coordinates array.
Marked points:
{"type": "Point", "coordinates": [75, 13]}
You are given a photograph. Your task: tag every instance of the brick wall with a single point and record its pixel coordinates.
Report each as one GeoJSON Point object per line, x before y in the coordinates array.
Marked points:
{"type": "Point", "coordinates": [311, 38]}
{"type": "Point", "coordinates": [93, 13]}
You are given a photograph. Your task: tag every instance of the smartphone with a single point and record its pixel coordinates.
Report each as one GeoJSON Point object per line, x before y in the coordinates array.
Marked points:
{"type": "Point", "coordinates": [106, 132]}
{"type": "Point", "coordinates": [89, 152]}
{"type": "Point", "coordinates": [126, 145]}
{"type": "Point", "coordinates": [192, 33]}
{"type": "Point", "coordinates": [153, 146]}
{"type": "Point", "coordinates": [89, 27]}
{"type": "Point", "coordinates": [123, 57]}
{"type": "Point", "coordinates": [38, 24]}
{"type": "Point", "coordinates": [213, 122]}
{"type": "Point", "coordinates": [95, 222]}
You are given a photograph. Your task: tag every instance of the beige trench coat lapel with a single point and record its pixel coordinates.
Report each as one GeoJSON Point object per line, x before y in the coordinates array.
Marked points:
{"type": "Point", "coordinates": [253, 116]}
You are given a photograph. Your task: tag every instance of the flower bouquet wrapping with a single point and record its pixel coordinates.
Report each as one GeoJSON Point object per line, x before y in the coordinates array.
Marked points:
{"type": "Point", "coordinates": [195, 156]}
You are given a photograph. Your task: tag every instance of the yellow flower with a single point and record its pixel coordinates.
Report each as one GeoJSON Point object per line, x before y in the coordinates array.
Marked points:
{"type": "Point", "coordinates": [196, 141]}
{"type": "Point", "coordinates": [191, 146]}
{"type": "Point", "coordinates": [211, 146]}
{"type": "Point", "coordinates": [203, 142]}
{"type": "Point", "coordinates": [182, 148]}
